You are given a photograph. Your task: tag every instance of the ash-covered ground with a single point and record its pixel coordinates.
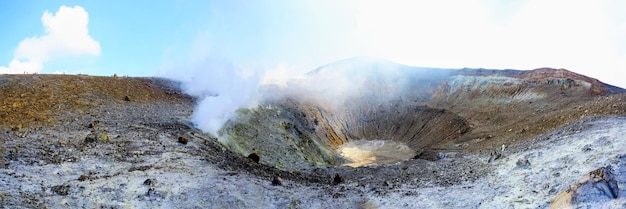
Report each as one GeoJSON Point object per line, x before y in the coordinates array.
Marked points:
{"type": "Point", "coordinates": [143, 165]}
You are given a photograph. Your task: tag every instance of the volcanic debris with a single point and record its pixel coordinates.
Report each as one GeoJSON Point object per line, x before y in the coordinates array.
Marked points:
{"type": "Point", "coordinates": [96, 137]}
{"type": "Point", "coordinates": [338, 179]}
{"type": "Point", "coordinates": [61, 189]}
{"type": "Point", "coordinates": [277, 181]}
{"type": "Point", "coordinates": [254, 157]}
{"type": "Point", "coordinates": [183, 139]}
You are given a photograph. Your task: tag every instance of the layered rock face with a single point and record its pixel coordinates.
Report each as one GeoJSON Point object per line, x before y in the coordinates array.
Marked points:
{"type": "Point", "coordinates": [599, 184]}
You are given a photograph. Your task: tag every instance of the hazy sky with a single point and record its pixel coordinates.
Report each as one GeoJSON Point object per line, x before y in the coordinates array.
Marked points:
{"type": "Point", "coordinates": [144, 38]}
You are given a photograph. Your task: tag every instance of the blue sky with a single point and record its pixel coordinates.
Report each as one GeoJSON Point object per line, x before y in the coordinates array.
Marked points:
{"type": "Point", "coordinates": [277, 38]}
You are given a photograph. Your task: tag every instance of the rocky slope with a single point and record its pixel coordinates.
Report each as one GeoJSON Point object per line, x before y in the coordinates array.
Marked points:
{"type": "Point", "coordinates": [84, 141]}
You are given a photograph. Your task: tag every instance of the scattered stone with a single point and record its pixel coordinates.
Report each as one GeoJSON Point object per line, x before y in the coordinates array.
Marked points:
{"type": "Point", "coordinates": [91, 138]}
{"type": "Point", "coordinates": [93, 124]}
{"type": "Point", "coordinates": [597, 185]}
{"type": "Point", "coordinates": [127, 98]}
{"type": "Point", "coordinates": [523, 163]}
{"type": "Point", "coordinates": [140, 168]}
{"type": "Point", "coordinates": [495, 155]}
{"type": "Point", "coordinates": [338, 179]}
{"type": "Point", "coordinates": [83, 177]}
{"type": "Point", "coordinates": [97, 137]}
{"type": "Point", "coordinates": [149, 182]}
{"type": "Point", "coordinates": [441, 156]}
{"type": "Point", "coordinates": [61, 189]}
{"type": "Point", "coordinates": [254, 157]}
{"type": "Point", "coordinates": [183, 140]}
{"type": "Point", "coordinates": [277, 181]}
{"type": "Point", "coordinates": [17, 128]}
{"type": "Point", "coordinates": [387, 183]}
{"type": "Point", "coordinates": [430, 155]}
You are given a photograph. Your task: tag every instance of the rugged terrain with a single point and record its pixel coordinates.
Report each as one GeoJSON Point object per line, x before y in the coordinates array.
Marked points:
{"type": "Point", "coordinates": [120, 142]}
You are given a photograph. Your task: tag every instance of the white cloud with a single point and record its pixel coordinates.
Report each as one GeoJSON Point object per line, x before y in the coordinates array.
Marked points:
{"type": "Point", "coordinates": [582, 36]}
{"type": "Point", "coordinates": [18, 67]}
{"type": "Point", "coordinates": [66, 35]}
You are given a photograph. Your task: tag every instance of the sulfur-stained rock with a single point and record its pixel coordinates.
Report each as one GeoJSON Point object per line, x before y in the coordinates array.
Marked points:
{"type": "Point", "coordinates": [597, 185]}
{"type": "Point", "coordinates": [94, 137]}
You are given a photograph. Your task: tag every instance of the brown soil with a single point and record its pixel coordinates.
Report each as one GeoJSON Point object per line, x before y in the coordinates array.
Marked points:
{"type": "Point", "coordinates": [39, 100]}
{"type": "Point", "coordinates": [565, 101]}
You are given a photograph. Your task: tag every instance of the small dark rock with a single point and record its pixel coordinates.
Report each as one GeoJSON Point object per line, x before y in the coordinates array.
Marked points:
{"type": "Point", "coordinates": [140, 168]}
{"type": "Point", "coordinates": [93, 124]}
{"type": "Point", "coordinates": [338, 195]}
{"type": "Point", "coordinates": [149, 182]}
{"type": "Point", "coordinates": [254, 157]}
{"type": "Point", "coordinates": [127, 98]}
{"type": "Point", "coordinates": [523, 163]}
{"type": "Point", "coordinates": [61, 189]}
{"type": "Point", "coordinates": [431, 155]}
{"type": "Point", "coordinates": [277, 181]}
{"type": "Point", "coordinates": [91, 138]}
{"type": "Point", "coordinates": [338, 179]}
{"type": "Point", "coordinates": [183, 140]}
{"type": "Point", "coordinates": [495, 155]}
{"type": "Point", "coordinates": [83, 177]}
{"type": "Point", "coordinates": [387, 183]}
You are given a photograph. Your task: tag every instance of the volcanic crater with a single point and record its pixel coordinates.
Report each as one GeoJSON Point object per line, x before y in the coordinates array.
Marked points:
{"type": "Point", "coordinates": [390, 112]}
{"type": "Point", "coordinates": [357, 133]}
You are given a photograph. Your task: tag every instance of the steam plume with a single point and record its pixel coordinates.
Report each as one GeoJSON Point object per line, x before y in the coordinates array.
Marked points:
{"type": "Point", "coordinates": [221, 88]}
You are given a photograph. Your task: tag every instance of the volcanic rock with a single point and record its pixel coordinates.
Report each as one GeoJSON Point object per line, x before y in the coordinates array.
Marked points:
{"type": "Point", "coordinates": [254, 157]}
{"type": "Point", "coordinates": [149, 182]}
{"type": "Point", "coordinates": [93, 124]}
{"type": "Point", "coordinates": [523, 163]}
{"type": "Point", "coordinates": [62, 190]}
{"type": "Point", "coordinates": [597, 185]}
{"type": "Point", "coordinates": [338, 179]}
{"type": "Point", "coordinates": [98, 137]}
{"type": "Point", "coordinates": [183, 139]}
{"type": "Point", "coordinates": [83, 177]}
{"type": "Point", "coordinates": [277, 181]}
